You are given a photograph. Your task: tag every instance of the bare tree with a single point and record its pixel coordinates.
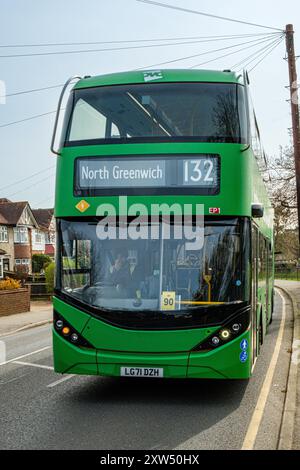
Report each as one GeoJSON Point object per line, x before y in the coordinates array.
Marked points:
{"type": "Point", "coordinates": [282, 186]}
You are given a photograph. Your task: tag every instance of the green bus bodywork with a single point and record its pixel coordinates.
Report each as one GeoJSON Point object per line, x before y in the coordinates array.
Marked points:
{"type": "Point", "coordinates": [110, 347]}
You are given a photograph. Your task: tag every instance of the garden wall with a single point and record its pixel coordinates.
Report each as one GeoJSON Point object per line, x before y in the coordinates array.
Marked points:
{"type": "Point", "coordinates": [14, 301]}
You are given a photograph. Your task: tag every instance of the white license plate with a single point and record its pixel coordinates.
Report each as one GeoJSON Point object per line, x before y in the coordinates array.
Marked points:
{"type": "Point", "coordinates": [142, 372]}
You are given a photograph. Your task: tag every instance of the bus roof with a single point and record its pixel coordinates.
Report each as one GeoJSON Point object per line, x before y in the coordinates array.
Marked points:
{"type": "Point", "coordinates": [159, 76]}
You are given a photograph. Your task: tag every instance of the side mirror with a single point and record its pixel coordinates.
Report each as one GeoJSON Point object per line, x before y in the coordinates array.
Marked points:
{"type": "Point", "coordinates": [257, 211]}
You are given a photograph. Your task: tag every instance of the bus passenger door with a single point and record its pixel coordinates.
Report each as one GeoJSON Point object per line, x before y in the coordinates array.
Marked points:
{"type": "Point", "coordinates": [254, 291]}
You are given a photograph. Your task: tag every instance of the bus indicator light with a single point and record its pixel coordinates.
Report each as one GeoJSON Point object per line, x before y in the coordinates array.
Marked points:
{"type": "Point", "coordinates": [215, 210]}
{"type": "Point", "coordinates": [66, 330]}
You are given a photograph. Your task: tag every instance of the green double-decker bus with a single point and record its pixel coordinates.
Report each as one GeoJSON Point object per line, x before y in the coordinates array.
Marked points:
{"type": "Point", "coordinates": [164, 263]}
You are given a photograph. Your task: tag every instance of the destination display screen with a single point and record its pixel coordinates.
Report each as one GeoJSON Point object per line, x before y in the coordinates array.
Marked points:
{"type": "Point", "coordinates": [95, 175]}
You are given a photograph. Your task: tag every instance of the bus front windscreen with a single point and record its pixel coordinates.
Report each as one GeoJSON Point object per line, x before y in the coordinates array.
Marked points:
{"type": "Point", "coordinates": [202, 112]}
{"type": "Point", "coordinates": [159, 275]}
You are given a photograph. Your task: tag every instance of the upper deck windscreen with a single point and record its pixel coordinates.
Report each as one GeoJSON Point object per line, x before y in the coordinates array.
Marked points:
{"type": "Point", "coordinates": [204, 112]}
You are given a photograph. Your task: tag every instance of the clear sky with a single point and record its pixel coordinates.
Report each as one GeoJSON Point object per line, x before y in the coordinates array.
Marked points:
{"type": "Point", "coordinates": [24, 147]}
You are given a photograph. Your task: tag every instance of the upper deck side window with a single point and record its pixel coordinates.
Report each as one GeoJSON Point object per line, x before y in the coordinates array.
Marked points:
{"type": "Point", "coordinates": [255, 138]}
{"type": "Point", "coordinates": [205, 112]}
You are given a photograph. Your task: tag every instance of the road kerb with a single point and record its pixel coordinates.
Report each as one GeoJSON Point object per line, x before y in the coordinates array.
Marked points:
{"type": "Point", "coordinates": [286, 435]}
{"type": "Point", "coordinates": [26, 327]}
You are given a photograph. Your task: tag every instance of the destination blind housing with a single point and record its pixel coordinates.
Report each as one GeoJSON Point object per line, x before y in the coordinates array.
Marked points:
{"type": "Point", "coordinates": [198, 174]}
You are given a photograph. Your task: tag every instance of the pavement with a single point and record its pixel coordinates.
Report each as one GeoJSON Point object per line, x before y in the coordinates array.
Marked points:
{"type": "Point", "coordinates": [40, 313]}
{"type": "Point", "coordinates": [290, 434]}
{"type": "Point", "coordinates": [40, 409]}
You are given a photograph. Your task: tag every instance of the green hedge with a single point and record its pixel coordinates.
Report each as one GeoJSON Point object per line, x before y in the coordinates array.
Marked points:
{"type": "Point", "coordinates": [49, 274]}
{"type": "Point", "coordinates": [40, 262]}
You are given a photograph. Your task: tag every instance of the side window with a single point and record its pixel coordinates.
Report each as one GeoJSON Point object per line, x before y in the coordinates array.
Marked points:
{"type": "Point", "coordinates": [76, 264]}
{"type": "Point", "coordinates": [87, 122]}
{"type": "Point", "coordinates": [270, 261]}
{"type": "Point", "coordinates": [243, 118]}
{"type": "Point", "coordinates": [262, 259]}
{"type": "Point", "coordinates": [115, 133]}
{"type": "Point", "coordinates": [77, 255]}
{"type": "Point", "coordinates": [255, 138]}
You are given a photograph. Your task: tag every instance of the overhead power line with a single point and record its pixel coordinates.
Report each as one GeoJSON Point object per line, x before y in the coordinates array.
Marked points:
{"type": "Point", "coordinates": [186, 10]}
{"type": "Point", "coordinates": [244, 63]}
{"type": "Point", "coordinates": [30, 187]}
{"type": "Point", "coordinates": [34, 90]}
{"type": "Point", "coordinates": [252, 43]}
{"type": "Point", "coordinates": [52, 44]}
{"type": "Point", "coordinates": [38, 204]}
{"type": "Point", "coordinates": [265, 56]}
{"type": "Point", "coordinates": [83, 51]}
{"type": "Point", "coordinates": [256, 42]}
{"type": "Point", "coordinates": [27, 178]}
{"type": "Point", "coordinates": [253, 54]}
{"type": "Point", "coordinates": [225, 55]}
{"type": "Point", "coordinates": [27, 119]}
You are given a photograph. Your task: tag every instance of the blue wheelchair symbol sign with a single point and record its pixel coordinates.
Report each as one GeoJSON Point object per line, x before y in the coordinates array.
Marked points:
{"type": "Point", "coordinates": [243, 356]}
{"type": "Point", "coordinates": [244, 345]}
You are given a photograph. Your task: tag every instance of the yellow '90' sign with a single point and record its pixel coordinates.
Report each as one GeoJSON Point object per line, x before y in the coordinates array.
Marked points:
{"type": "Point", "coordinates": [168, 300]}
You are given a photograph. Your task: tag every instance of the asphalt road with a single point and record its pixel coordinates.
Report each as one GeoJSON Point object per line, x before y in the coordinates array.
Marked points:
{"type": "Point", "coordinates": [39, 410]}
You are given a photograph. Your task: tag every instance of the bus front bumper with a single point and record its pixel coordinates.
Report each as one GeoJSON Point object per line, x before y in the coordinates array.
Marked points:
{"type": "Point", "coordinates": [226, 362]}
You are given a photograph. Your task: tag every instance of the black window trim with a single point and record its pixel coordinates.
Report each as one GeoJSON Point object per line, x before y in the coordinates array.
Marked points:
{"type": "Point", "coordinates": [138, 140]}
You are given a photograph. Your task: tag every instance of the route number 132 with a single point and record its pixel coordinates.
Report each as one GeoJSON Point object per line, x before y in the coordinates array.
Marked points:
{"type": "Point", "coordinates": [197, 171]}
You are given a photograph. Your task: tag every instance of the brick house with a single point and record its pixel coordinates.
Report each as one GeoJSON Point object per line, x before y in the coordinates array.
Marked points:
{"type": "Point", "coordinates": [7, 250]}
{"type": "Point", "coordinates": [43, 238]}
{"type": "Point", "coordinates": [17, 223]}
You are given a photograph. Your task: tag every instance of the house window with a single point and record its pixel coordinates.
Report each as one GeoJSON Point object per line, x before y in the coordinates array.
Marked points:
{"type": "Point", "coordinates": [38, 237]}
{"type": "Point", "coordinates": [1, 269]}
{"type": "Point", "coordinates": [22, 261]}
{"type": "Point", "coordinates": [21, 235]}
{"type": "Point", "coordinates": [3, 234]}
{"type": "Point", "coordinates": [5, 264]}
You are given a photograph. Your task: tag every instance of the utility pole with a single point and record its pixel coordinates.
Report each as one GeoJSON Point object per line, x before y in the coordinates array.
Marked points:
{"type": "Point", "coordinates": [290, 47]}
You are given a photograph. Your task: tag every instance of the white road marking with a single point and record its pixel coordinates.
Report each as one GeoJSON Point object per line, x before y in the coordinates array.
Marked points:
{"type": "Point", "coordinates": [253, 428]}
{"type": "Point", "coordinates": [13, 380]}
{"type": "Point", "coordinates": [40, 366]}
{"type": "Point", "coordinates": [2, 351]}
{"type": "Point", "coordinates": [67, 377]}
{"type": "Point", "coordinates": [24, 355]}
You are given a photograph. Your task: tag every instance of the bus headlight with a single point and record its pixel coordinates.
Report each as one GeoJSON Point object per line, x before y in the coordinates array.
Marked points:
{"type": "Point", "coordinates": [215, 340]}
{"type": "Point", "coordinates": [227, 332]}
{"type": "Point", "coordinates": [74, 337]}
{"type": "Point", "coordinates": [236, 327]}
{"type": "Point", "coordinates": [59, 324]}
{"type": "Point", "coordinates": [68, 332]}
